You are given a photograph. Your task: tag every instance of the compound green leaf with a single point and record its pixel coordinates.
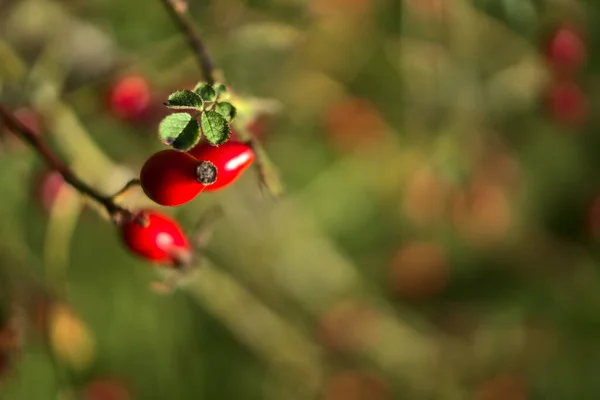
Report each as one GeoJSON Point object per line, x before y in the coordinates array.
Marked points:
{"type": "Point", "coordinates": [184, 99]}
{"type": "Point", "coordinates": [215, 127]}
{"type": "Point", "coordinates": [205, 91]}
{"type": "Point", "coordinates": [227, 110]}
{"type": "Point", "coordinates": [180, 131]}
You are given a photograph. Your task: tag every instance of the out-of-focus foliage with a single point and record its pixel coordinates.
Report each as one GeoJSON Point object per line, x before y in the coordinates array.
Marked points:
{"type": "Point", "coordinates": [438, 238]}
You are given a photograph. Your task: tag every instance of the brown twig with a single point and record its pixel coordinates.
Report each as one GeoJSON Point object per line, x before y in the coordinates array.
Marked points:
{"type": "Point", "coordinates": [116, 212]}
{"type": "Point", "coordinates": [181, 19]}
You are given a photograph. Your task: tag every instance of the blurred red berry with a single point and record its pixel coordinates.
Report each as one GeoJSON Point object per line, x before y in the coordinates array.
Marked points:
{"type": "Point", "coordinates": [106, 389]}
{"type": "Point", "coordinates": [231, 159]}
{"type": "Point", "coordinates": [170, 178]}
{"type": "Point", "coordinates": [47, 186]}
{"type": "Point", "coordinates": [419, 270]}
{"type": "Point", "coordinates": [502, 388]}
{"type": "Point", "coordinates": [348, 326]}
{"type": "Point", "coordinates": [566, 51]}
{"type": "Point", "coordinates": [482, 212]}
{"type": "Point", "coordinates": [567, 103]}
{"type": "Point", "coordinates": [129, 97]}
{"type": "Point", "coordinates": [352, 122]}
{"type": "Point", "coordinates": [155, 237]}
{"type": "Point", "coordinates": [356, 385]}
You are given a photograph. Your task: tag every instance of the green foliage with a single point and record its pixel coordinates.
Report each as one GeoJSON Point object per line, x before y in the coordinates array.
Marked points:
{"type": "Point", "coordinates": [221, 89]}
{"type": "Point", "coordinates": [183, 131]}
{"type": "Point", "coordinates": [215, 127]}
{"type": "Point", "coordinates": [184, 99]}
{"type": "Point", "coordinates": [227, 110]}
{"type": "Point", "coordinates": [206, 91]}
{"type": "Point", "coordinates": [179, 131]}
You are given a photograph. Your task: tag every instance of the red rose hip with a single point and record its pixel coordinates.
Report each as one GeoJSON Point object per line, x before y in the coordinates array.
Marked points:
{"type": "Point", "coordinates": [172, 178]}
{"type": "Point", "coordinates": [155, 237]}
{"type": "Point", "coordinates": [567, 103]}
{"type": "Point", "coordinates": [566, 50]}
{"type": "Point", "coordinates": [231, 159]}
{"type": "Point", "coordinates": [129, 97]}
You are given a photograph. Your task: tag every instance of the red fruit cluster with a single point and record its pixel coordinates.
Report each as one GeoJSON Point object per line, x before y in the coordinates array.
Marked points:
{"type": "Point", "coordinates": [566, 54]}
{"type": "Point", "coordinates": [173, 178]}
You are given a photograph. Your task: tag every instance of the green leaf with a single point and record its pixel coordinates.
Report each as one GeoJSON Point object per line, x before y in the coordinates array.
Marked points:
{"type": "Point", "coordinates": [184, 99]}
{"type": "Point", "coordinates": [205, 91]}
{"type": "Point", "coordinates": [227, 110]}
{"type": "Point", "coordinates": [221, 89]}
{"type": "Point", "coordinates": [215, 127]}
{"type": "Point", "coordinates": [180, 131]}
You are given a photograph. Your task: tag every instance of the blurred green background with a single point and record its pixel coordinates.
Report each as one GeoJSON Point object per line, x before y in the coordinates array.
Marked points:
{"type": "Point", "coordinates": [437, 239]}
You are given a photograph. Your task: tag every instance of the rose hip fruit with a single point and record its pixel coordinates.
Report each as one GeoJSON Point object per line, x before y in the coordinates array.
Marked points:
{"type": "Point", "coordinates": [129, 97]}
{"type": "Point", "coordinates": [566, 50]}
{"type": "Point", "coordinates": [567, 103]}
{"type": "Point", "coordinates": [170, 178]}
{"type": "Point", "coordinates": [155, 237]}
{"type": "Point", "coordinates": [231, 159]}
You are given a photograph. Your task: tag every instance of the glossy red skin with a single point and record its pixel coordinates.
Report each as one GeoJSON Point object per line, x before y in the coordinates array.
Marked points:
{"type": "Point", "coordinates": [130, 97]}
{"type": "Point", "coordinates": [231, 159]}
{"type": "Point", "coordinates": [566, 50]}
{"type": "Point", "coordinates": [158, 240]}
{"type": "Point", "coordinates": [567, 103]}
{"type": "Point", "coordinates": [169, 178]}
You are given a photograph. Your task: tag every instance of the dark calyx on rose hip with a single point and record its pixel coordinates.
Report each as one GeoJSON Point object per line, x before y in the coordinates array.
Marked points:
{"type": "Point", "coordinates": [206, 173]}
{"type": "Point", "coordinates": [230, 159]}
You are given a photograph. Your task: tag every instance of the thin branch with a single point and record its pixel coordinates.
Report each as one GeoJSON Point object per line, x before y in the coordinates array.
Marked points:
{"type": "Point", "coordinates": [116, 212]}
{"type": "Point", "coordinates": [180, 18]}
